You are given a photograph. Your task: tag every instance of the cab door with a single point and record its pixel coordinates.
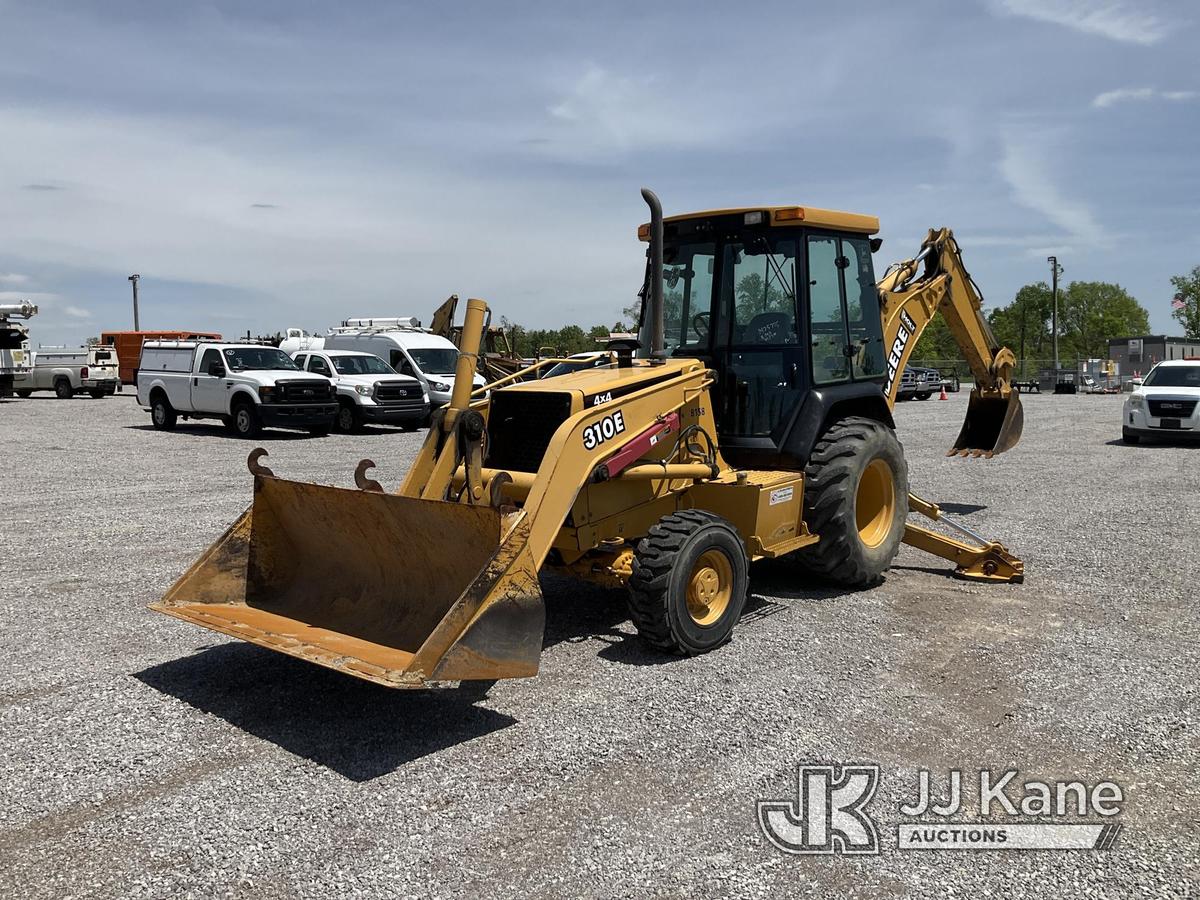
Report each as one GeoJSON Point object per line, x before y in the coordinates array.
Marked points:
{"type": "Point", "coordinates": [763, 371]}
{"type": "Point", "coordinates": [209, 391]}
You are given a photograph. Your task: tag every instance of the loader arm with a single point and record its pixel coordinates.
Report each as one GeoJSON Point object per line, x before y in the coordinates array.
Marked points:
{"type": "Point", "coordinates": [933, 281]}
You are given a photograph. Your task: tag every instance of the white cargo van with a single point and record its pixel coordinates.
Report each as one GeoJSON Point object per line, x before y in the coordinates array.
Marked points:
{"type": "Point", "coordinates": [401, 342]}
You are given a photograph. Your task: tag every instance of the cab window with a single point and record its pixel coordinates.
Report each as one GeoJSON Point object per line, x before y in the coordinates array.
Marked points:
{"type": "Point", "coordinates": [829, 362]}
{"type": "Point", "coordinates": [318, 365]}
{"type": "Point", "coordinates": [843, 305]}
{"type": "Point", "coordinates": [211, 355]}
{"type": "Point", "coordinates": [687, 294]}
{"type": "Point", "coordinates": [862, 308]}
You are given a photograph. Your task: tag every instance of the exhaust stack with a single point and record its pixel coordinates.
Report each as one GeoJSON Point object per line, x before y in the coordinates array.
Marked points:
{"type": "Point", "coordinates": [654, 298]}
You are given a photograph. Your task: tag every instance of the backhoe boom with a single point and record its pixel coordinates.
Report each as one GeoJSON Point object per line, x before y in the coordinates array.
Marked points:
{"type": "Point", "coordinates": [933, 281]}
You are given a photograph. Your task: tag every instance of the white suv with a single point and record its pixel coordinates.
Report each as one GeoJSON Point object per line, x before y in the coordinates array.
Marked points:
{"type": "Point", "coordinates": [1165, 404]}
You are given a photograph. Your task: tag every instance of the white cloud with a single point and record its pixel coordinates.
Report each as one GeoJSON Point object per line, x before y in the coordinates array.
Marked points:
{"type": "Point", "coordinates": [1024, 168]}
{"type": "Point", "coordinates": [1108, 98]}
{"type": "Point", "coordinates": [13, 278]}
{"type": "Point", "coordinates": [1121, 95]}
{"type": "Point", "coordinates": [76, 312]}
{"type": "Point", "coordinates": [1114, 19]}
{"type": "Point", "coordinates": [607, 112]}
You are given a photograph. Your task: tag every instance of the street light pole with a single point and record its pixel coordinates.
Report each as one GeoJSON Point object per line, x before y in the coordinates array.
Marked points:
{"type": "Point", "coordinates": [1055, 271]}
{"type": "Point", "coordinates": [133, 279]}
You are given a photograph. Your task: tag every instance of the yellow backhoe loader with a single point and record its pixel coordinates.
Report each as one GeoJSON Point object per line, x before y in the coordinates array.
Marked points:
{"type": "Point", "coordinates": [756, 423]}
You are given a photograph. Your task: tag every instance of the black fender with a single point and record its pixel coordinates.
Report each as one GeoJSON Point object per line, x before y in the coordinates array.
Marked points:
{"type": "Point", "coordinates": [823, 406]}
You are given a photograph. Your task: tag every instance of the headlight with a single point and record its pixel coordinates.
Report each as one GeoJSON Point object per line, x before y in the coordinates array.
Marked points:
{"type": "Point", "coordinates": [364, 389]}
{"type": "Point", "coordinates": [266, 392]}
{"type": "Point", "coordinates": [1136, 402]}
{"type": "Point", "coordinates": [440, 386]}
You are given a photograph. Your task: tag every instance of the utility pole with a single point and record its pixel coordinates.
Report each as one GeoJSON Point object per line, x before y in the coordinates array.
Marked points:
{"type": "Point", "coordinates": [1055, 271]}
{"type": "Point", "coordinates": [133, 279]}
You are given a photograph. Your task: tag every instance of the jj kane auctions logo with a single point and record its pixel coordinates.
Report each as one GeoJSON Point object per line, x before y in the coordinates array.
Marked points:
{"type": "Point", "coordinates": [829, 813]}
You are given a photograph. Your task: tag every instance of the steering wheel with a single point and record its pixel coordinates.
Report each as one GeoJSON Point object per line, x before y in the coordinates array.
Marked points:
{"type": "Point", "coordinates": [700, 325]}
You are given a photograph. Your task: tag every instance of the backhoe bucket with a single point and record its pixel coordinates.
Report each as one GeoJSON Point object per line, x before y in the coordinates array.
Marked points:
{"type": "Point", "coordinates": [399, 591]}
{"type": "Point", "coordinates": [993, 425]}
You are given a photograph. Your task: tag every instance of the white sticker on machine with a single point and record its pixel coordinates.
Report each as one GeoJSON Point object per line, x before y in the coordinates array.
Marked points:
{"type": "Point", "coordinates": [781, 495]}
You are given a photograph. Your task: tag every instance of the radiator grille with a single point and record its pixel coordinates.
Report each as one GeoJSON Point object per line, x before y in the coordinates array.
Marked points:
{"type": "Point", "coordinates": [1172, 409]}
{"type": "Point", "coordinates": [304, 390]}
{"type": "Point", "coordinates": [520, 425]}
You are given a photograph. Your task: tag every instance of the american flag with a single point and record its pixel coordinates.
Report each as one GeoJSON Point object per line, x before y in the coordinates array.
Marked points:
{"type": "Point", "coordinates": [1178, 303]}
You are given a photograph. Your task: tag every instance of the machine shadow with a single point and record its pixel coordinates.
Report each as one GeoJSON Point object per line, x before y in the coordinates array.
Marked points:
{"type": "Point", "coordinates": [961, 509]}
{"type": "Point", "coordinates": [1156, 441]}
{"type": "Point", "coordinates": [267, 434]}
{"type": "Point", "coordinates": [358, 729]}
{"type": "Point", "coordinates": [577, 612]}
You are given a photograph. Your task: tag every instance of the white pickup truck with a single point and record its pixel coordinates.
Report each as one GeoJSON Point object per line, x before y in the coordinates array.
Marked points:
{"type": "Point", "coordinates": [369, 390]}
{"type": "Point", "coordinates": [246, 386]}
{"type": "Point", "coordinates": [71, 370]}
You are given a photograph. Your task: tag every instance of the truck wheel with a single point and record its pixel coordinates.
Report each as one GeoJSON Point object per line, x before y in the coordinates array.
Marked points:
{"type": "Point", "coordinates": [923, 396]}
{"type": "Point", "coordinates": [246, 423]}
{"type": "Point", "coordinates": [24, 395]}
{"type": "Point", "coordinates": [97, 395]}
{"type": "Point", "coordinates": [161, 413]}
{"type": "Point", "coordinates": [1130, 437]}
{"type": "Point", "coordinates": [855, 501]}
{"type": "Point", "coordinates": [63, 389]}
{"type": "Point", "coordinates": [348, 420]}
{"type": "Point", "coordinates": [689, 582]}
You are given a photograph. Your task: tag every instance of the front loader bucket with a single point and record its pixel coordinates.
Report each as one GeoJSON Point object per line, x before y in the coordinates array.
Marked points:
{"type": "Point", "coordinates": [395, 590]}
{"type": "Point", "coordinates": [993, 425]}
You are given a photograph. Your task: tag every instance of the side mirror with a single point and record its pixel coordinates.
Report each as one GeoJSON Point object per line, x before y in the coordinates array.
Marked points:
{"type": "Point", "coordinates": [216, 370]}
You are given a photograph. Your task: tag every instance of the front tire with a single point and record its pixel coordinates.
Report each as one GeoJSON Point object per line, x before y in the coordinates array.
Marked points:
{"type": "Point", "coordinates": [246, 423]}
{"type": "Point", "coordinates": [689, 582]}
{"type": "Point", "coordinates": [24, 395]}
{"type": "Point", "coordinates": [63, 389]}
{"type": "Point", "coordinates": [855, 501]}
{"type": "Point", "coordinates": [1130, 437]}
{"type": "Point", "coordinates": [348, 420]}
{"type": "Point", "coordinates": [161, 413]}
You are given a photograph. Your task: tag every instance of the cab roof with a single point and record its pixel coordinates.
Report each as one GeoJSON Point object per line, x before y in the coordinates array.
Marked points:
{"type": "Point", "coordinates": [782, 215]}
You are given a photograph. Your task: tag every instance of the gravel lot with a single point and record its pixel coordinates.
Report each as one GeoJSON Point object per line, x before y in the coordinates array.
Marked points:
{"type": "Point", "coordinates": [147, 757]}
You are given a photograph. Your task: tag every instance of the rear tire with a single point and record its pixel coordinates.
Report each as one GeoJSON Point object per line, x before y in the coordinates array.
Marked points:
{"type": "Point", "coordinates": [97, 395]}
{"type": "Point", "coordinates": [923, 396]}
{"type": "Point", "coordinates": [63, 389]}
{"type": "Point", "coordinates": [24, 395]}
{"type": "Point", "coordinates": [1130, 437]}
{"type": "Point", "coordinates": [855, 501]}
{"type": "Point", "coordinates": [161, 413]}
{"type": "Point", "coordinates": [689, 582]}
{"type": "Point", "coordinates": [246, 423]}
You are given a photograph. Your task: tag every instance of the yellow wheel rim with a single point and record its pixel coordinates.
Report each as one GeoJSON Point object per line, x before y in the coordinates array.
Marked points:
{"type": "Point", "coordinates": [875, 504]}
{"type": "Point", "coordinates": [710, 587]}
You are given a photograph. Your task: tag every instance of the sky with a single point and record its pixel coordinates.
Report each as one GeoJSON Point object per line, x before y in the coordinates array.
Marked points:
{"type": "Point", "coordinates": [271, 164]}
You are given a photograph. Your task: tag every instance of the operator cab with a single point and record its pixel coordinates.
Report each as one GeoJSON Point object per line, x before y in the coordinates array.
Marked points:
{"type": "Point", "coordinates": [781, 303]}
